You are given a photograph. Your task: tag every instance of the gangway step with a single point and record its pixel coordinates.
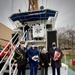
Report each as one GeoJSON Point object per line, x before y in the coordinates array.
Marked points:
{"type": "Point", "coordinates": [6, 71]}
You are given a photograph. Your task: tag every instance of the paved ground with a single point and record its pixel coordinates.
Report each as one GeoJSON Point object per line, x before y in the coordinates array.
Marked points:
{"type": "Point", "coordinates": [70, 72]}
{"type": "Point", "coordinates": [64, 71]}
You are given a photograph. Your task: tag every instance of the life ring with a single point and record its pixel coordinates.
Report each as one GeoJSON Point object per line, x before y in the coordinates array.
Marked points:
{"type": "Point", "coordinates": [2, 55]}
{"type": "Point", "coordinates": [7, 48]}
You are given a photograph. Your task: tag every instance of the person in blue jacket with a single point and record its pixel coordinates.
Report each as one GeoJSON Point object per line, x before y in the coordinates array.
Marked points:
{"type": "Point", "coordinates": [33, 55]}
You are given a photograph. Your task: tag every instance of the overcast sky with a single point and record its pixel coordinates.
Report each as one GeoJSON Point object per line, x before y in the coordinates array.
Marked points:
{"type": "Point", "coordinates": [66, 9]}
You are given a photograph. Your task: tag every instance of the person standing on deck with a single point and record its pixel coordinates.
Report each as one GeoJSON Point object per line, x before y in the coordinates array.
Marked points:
{"type": "Point", "coordinates": [20, 59]}
{"type": "Point", "coordinates": [44, 61]}
{"type": "Point", "coordinates": [33, 55]}
{"type": "Point", "coordinates": [56, 56]}
{"type": "Point", "coordinates": [26, 30]}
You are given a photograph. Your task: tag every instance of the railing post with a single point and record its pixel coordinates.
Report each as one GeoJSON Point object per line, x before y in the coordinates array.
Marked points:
{"type": "Point", "coordinates": [10, 67]}
{"type": "Point", "coordinates": [1, 73]}
{"type": "Point", "coordinates": [65, 58]}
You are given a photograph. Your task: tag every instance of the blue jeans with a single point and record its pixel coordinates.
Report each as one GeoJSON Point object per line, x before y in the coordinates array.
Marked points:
{"type": "Point", "coordinates": [53, 71]}
{"type": "Point", "coordinates": [33, 68]}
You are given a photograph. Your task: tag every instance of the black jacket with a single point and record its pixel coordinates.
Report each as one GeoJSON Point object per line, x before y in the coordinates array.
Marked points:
{"type": "Point", "coordinates": [57, 63]}
{"type": "Point", "coordinates": [44, 59]}
{"type": "Point", "coordinates": [20, 56]}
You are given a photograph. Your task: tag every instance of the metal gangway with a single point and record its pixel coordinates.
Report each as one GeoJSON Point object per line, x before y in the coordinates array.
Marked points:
{"type": "Point", "coordinates": [8, 60]}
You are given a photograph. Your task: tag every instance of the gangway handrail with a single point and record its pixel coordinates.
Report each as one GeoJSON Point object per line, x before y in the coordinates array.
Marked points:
{"type": "Point", "coordinates": [11, 66]}
{"type": "Point", "coordinates": [11, 55]}
{"type": "Point", "coordinates": [9, 42]}
{"type": "Point", "coordinates": [6, 47]}
{"type": "Point", "coordinates": [5, 65]}
{"type": "Point", "coordinates": [8, 51]}
{"type": "Point", "coordinates": [15, 71]}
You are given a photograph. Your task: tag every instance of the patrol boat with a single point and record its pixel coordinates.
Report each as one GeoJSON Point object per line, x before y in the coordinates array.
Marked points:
{"type": "Point", "coordinates": [42, 32]}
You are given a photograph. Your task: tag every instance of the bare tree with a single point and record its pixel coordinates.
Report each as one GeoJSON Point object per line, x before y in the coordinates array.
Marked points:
{"type": "Point", "coordinates": [66, 37]}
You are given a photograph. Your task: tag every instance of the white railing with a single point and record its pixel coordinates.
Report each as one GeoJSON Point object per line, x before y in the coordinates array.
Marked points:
{"type": "Point", "coordinates": [12, 64]}
{"type": "Point", "coordinates": [6, 48]}
{"type": "Point", "coordinates": [6, 60]}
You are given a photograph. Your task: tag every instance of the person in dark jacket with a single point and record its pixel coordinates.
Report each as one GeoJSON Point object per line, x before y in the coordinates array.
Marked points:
{"type": "Point", "coordinates": [20, 59]}
{"type": "Point", "coordinates": [44, 61]}
{"type": "Point", "coordinates": [56, 56]}
{"type": "Point", "coordinates": [33, 54]}
{"type": "Point", "coordinates": [26, 30]}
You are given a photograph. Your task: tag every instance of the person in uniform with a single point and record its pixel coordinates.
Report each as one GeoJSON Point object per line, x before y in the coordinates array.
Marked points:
{"type": "Point", "coordinates": [56, 56]}
{"type": "Point", "coordinates": [33, 55]}
{"type": "Point", "coordinates": [20, 58]}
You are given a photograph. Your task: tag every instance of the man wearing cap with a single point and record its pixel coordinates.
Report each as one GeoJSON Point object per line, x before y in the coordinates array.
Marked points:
{"type": "Point", "coordinates": [33, 54]}
{"type": "Point", "coordinates": [20, 58]}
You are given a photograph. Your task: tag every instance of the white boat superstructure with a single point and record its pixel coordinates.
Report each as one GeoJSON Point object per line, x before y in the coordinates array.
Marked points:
{"type": "Point", "coordinates": [43, 33]}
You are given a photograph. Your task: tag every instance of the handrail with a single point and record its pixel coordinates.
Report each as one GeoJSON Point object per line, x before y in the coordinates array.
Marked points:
{"type": "Point", "coordinates": [8, 61]}
{"type": "Point", "coordinates": [9, 42]}
{"type": "Point", "coordinates": [12, 64]}
{"type": "Point", "coordinates": [5, 65]}
{"type": "Point", "coordinates": [15, 70]}
{"type": "Point", "coordinates": [6, 47]}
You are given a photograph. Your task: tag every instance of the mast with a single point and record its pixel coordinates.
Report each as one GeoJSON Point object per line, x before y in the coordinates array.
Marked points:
{"type": "Point", "coordinates": [33, 5]}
